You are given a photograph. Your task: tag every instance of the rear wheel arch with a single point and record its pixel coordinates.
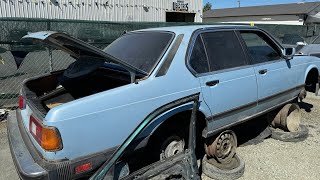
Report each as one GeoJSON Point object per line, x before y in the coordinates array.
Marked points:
{"type": "Point", "coordinates": [179, 120]}
{"type": "Point", "coordinates": [177, 125]}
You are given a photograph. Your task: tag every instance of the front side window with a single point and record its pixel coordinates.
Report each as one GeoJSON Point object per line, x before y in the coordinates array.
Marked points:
{"type": "Point", "coordinates": [224, 50]}
{"type": "Point", "coordinates": [260, 47]}
{"type": "Point", "coordinates": [142, 50]}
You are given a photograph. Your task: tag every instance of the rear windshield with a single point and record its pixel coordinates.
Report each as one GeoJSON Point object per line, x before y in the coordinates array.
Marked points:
{"type": "Point", "coordinates": [140, 49]}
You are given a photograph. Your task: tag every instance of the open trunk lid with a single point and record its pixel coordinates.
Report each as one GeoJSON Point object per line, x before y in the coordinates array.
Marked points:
{"type": "Point", "coordinates": [76, 48]}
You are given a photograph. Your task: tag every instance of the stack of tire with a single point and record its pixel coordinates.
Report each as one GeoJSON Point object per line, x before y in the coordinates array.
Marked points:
{"type": "Point", "coordinates": [221, 160]}
{"type": "Point", "coordinates": [286, 125]}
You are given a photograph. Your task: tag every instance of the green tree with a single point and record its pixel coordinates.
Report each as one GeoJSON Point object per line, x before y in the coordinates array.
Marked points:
{"type": "Point", "coordinates": [207, 7]}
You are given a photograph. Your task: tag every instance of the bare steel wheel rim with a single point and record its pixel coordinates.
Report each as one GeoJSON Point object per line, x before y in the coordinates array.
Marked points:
{"type": "Point", "coordinates": [174, 147]}
{"type": "Point", "coordinates": [223, 148]}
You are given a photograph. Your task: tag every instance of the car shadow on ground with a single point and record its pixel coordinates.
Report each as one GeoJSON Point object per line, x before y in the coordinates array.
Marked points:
{"type": "Point", "coordinates": [253, 132]}
{"type": "Point", "coordinates": [305, 106]}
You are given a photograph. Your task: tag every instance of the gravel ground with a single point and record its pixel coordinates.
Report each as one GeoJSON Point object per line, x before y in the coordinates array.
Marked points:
{"type": "Point", "coordinates": [273, 159]}
{"type": "Point", "coordinates": [270, 159]}
{"type": "Point", "coordinates": [7, 169]}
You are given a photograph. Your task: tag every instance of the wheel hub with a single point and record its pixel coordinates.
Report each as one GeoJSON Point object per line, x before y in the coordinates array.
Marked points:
{"type": "Point", "coordinates": [173, 148]}
{"type": "Point", "coordinates": [223, 148]}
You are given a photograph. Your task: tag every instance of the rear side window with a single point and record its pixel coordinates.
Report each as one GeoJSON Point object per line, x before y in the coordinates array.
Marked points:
{"type": "Point", "coordinates": [260, 47]}
{"type": "Point", "coordinates": [224, 50]}
{"type": "Point", "coordinates": [198, 59]}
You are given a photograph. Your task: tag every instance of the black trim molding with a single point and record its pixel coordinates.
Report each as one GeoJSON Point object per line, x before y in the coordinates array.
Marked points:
{"type": "Point", "coordinates": [236, 110]}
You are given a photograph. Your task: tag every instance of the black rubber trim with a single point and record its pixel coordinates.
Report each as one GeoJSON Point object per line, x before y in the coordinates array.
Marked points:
{"type": "Point", "coordinates": [274, 96]}
{"type": "Point", "coordinates": [232, 111]}
{"type": "Point", "coordinates": [250, 105]}
{"type": "Point", "coordinates": [167, 62]}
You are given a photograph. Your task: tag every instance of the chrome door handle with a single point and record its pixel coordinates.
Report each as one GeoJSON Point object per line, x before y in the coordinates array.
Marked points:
{"type": "Point", "coordinates": [212, 83]}
{"type": "Point", "coordinates": [263, 71]}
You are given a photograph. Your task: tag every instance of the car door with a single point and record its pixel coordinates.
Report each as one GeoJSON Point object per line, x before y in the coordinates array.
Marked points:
{"type": "Point", "coordinates": [229, 83]}
{"type": "Point", "coordinates": [276, 76]}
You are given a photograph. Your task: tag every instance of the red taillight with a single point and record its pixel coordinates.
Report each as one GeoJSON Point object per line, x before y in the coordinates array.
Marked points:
{"type": "Point", "coordinates": [83, 168]}
{"type": "Point", "coordinates": [36, 129]}
{"type": "Point", "coordinates": [47, 137]}
{"type": "Point", "coordinates": [22, 104]}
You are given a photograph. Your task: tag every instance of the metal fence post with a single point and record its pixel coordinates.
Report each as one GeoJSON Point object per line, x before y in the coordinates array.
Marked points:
{"type": "Point", "coordinates": [50, 59]}
{"type": "Point", "coordinates": [50, 49]}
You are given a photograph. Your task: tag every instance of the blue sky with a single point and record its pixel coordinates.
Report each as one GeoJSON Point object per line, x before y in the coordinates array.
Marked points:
{"type": "Point", "coordinates": [218, 4]}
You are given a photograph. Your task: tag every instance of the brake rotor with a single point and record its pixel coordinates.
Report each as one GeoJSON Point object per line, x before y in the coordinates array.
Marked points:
{"type": "Point", "coordinates": [223, 148]}
{"type": "Point", "coordinates": [173, 148]}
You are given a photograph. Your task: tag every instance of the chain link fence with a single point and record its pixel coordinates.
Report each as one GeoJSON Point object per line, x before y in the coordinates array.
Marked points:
{"type": "Point", "coordinates": [40, 59]}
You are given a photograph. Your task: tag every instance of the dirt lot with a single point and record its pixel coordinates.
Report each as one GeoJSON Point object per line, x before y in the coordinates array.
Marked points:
{"type": "Point", "coordinates": [7, 169]}
{"type": "Point", "coordinates": [270, 159]}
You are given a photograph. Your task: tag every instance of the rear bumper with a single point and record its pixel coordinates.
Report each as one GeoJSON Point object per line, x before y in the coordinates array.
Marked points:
{"type": "Point", "coordinates": [23, 160]}
{"type": "Point", "coordinates": [31, 165]}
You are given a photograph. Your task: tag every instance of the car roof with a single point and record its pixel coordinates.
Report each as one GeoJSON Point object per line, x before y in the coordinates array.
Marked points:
{"type": "Point", "coordinates": [192, 28]}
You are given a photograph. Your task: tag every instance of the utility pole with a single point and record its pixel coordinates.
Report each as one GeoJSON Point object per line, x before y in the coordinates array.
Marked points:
{"type": "Point", "coordinates": [239, 3]}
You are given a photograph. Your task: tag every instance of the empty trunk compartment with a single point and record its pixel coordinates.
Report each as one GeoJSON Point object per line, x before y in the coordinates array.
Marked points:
{"type": "Point", "coordinates": [49, 91]}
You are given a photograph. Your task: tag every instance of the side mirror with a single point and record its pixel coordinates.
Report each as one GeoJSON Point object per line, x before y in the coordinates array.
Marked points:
{"type": "Point", "coordinates": [288, 53]}
{"type": "Point", "coordinates": [301, 44]}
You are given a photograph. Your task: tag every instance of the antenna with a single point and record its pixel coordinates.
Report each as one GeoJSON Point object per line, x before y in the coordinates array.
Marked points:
{"type": "Point", "coordinates": [239, 3]}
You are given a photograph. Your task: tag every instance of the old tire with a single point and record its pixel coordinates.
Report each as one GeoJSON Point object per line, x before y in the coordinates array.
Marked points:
{"type": "Point", "coordinates": [211, 170]}
{"type": "Point", "coordinates": [223, 147]}
{"type": "Point", "coordinates": [288, 118]}
{"type": "Point", "coordinates": [297, 136]}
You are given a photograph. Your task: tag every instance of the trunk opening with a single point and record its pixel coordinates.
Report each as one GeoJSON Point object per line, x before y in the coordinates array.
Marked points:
{"type": "Point", "coordinates": [47, 92]}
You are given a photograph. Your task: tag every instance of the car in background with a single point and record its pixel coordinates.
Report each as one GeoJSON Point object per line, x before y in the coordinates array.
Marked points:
{"type": "Point", "coordinates": [312, 49]}
{"type": "Point", "coordinates": [292, 39]}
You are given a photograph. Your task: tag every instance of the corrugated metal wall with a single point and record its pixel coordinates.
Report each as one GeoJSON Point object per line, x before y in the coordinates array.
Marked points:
{"type": "Point", "coordinates": [98, 10]}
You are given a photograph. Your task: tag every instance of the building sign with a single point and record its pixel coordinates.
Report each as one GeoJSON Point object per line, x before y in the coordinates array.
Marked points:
{"type": "Point", "coordinates": [180, 6]}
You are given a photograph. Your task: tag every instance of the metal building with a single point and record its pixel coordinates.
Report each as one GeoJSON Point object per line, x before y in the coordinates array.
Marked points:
{"type": "Point", "coordinates": [292, 14]}
{"type": "Point", "coordinates": [105, 10]}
